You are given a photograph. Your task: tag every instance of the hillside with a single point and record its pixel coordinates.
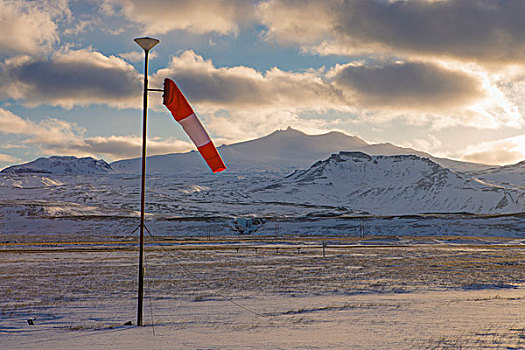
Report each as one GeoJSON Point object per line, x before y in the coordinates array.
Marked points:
{"type": "Point", "coordinates": [61, 166]}
{"type": "Point", "coordinates": [389, 185]}
{"type": "Point", "coordinates": [511, 175]}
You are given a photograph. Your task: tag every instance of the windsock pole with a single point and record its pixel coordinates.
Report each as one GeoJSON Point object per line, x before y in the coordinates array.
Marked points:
{"type": "Point", "coordinates": [147, 44]}
{"type": "Point", "coordinates": [183, 113]}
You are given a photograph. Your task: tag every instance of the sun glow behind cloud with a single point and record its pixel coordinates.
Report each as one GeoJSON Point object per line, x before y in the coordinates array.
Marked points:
{"type": "Point", "coordinates": [506, 151]}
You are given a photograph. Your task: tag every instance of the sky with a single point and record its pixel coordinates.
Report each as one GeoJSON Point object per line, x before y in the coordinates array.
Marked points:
{"type": "Point", "coordinates": [442, 76]}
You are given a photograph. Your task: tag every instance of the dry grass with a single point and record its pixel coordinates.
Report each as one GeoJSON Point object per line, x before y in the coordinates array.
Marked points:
{"type": "Point", "coordinates": [43, 279]}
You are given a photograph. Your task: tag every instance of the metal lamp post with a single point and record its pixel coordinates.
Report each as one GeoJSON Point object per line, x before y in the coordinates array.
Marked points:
{"type": "Point", "coordinates": [147, 44]}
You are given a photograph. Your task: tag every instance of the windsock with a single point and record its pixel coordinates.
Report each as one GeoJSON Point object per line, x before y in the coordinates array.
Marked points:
{"type": "Point", "coordinates": [181, 110]}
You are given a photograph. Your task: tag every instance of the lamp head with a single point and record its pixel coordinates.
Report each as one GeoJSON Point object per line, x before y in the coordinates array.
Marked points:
{"type": "Point", "coordinates": [146, 43]}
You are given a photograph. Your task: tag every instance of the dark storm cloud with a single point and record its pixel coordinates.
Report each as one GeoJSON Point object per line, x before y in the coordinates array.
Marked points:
{"type": "Point", "coordinates": [484, 29]}
{"type": "Point", "coordinates": [54, 80]}
{"type": "Point", "coordinates": [479, 30]}
{"type": "Point", "coordinates": [410, 85]}
{"type": "Point", "coordinates": [74, 78]}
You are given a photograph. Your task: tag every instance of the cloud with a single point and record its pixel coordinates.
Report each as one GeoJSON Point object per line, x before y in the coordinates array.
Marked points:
{"type": "Point", "coordinates": [483, 31]}
{"type": "Point", "coordinates": [437, 95]}
{"type": "Point", "coordinates": [298, 21]}
{"type": "Point", "coordinates": [71, 78]}
{"type": "Point", "coordinates": [239, 103]}
{"type": "Point", "coordinates": [46, 134]}
{"type": "Point", "coordinates": [411, 85]}
{"type": "Point", "coordinates": [114, 147]}
{"type": "Point", "coordinates": [29, 27]}
{"type": "Point", "coordinates": [430, 144]}
{"type": "Point", "coordinates": [246, 125]}
{"type": "Point", "coordinates": [506, 151]}
{"type": "Point", "coordinates": [51, 132]}
{"type": "Point", "coordinates": [59, 137]}
{"type": "Point", "coordinates": [199, 17]}
{"type": "Point", "coordinates": [6, 158]}
{"type": "Point", "coordinates": [10, 123]}
{"type": "Point", "coordinates": [408, 85]}
{"type": "Point", "coordinates": [240, 87]}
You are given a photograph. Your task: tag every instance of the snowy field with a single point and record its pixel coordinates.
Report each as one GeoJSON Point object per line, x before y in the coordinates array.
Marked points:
{"type": "Point", "coordinates": [267, 293]}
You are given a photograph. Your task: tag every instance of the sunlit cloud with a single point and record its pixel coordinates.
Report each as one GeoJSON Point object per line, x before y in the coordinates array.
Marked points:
{"type": "Point", "coordinates": [437, 94]}
{"type": "Point", "coordinates": [29, 27]}
{"type": "Point", "coordinates": [298, 22]}
{"type": "Point", "coordinates": [6, 158]}
{"type": "Point", "coordinates": [113, 147]}
{"type": "Point", "coordinates": [199, 17]}
{"type": "Point", "coordinates": [246, 125]}
{"type": "Point", "coordinates": [506, 151]}
{"type": "Point", "coordinates": [241, 87]}
{"type": "Point", "coordinates": [59, 137]}
{"type": "Point", "coordinates": [10, 123]}
{"type": "Point", "coordinates": [407, 84]}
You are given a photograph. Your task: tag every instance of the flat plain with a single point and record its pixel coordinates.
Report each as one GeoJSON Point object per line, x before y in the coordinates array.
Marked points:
{"type": "Point", "coordinates": [267, 292]}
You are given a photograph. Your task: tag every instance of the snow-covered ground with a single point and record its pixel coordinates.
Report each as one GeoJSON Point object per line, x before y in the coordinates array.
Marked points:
{"type": "Point", "coordinates": [38, 207]}
{"type": "Point", "coordinates": [393, 194]}
{"type": "Point", "coordinates": [370, 293]}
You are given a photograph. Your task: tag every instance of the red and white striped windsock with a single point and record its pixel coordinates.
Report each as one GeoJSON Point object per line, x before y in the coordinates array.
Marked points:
{"type": "Point", "coordinates": [181, 110]}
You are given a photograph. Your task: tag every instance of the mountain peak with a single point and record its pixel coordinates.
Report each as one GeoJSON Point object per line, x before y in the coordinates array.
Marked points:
{"type": "Point", "coordinates": [288, 131]}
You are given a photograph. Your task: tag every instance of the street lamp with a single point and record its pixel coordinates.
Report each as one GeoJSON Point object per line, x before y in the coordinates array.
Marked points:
{"type": "Point", "coordinates": [147, 44]}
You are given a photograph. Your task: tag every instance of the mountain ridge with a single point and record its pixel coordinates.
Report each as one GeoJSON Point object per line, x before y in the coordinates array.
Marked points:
{"type": "Point", "coordinates": [282, 150]}
{"type": "Point", "coordinates": [61, 165]}
{"type": "Point", "coordinates": [392, 185]}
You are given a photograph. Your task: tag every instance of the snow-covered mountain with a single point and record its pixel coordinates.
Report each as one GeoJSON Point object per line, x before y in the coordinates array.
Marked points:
{"type": "Point", "coordinates": [391, 185]}
{"type": "Point", "coordinates": [61, 166]}
{"type": "Point", "coordinates": [74, 197]}
{"type": "Point", "coordinates": [283, 151]}
{"type": "Point", "coordinates": [510, 175]}
{"type": "Point", "coordinates": [346, 183]}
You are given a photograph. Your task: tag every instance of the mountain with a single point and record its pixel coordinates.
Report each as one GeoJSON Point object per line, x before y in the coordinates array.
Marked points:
{"type": "Point", "coordinates": [394, 195]}
{"type": "Point", "coordinates": [290, 147]}
{"type": "Point", "coordinates": [282, 150]}
{"type": "Point", "coordinates": [513, 174]}
{"type": "Point", "coordinates": [61, 166]}
{"type": "Point", "coordinates": [392, 185]}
